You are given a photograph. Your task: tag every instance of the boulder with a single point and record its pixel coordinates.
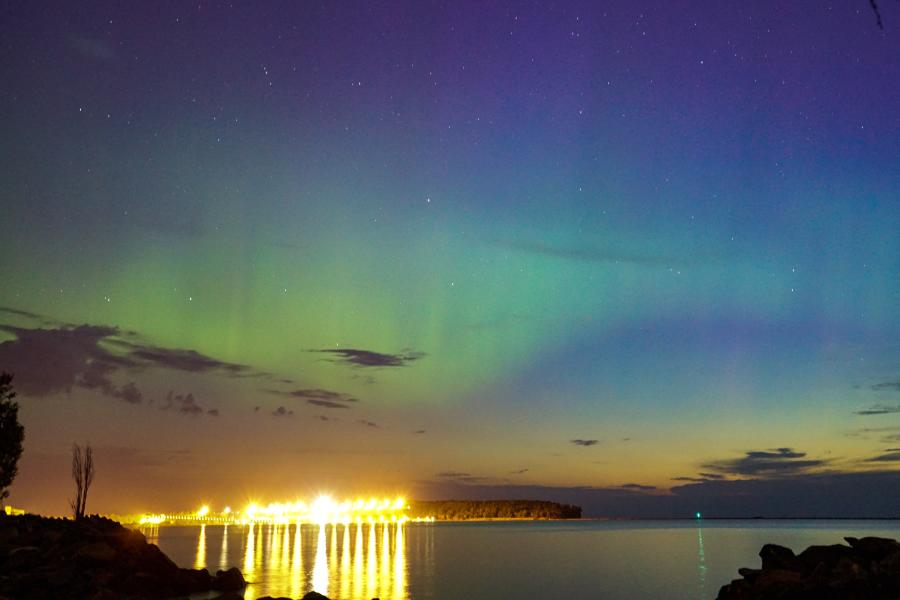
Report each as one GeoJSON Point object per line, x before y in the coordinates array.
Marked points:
{"type": "Point", "coordinates": [873, 548]}
{"type": "Point", "coordinates": [828, 555]}
{"type": "Point", "coordinates": [99, 552]}
{"type": "Point", "coordinates": [777, 557]}
{"type": "Point", "coordinates": [314, 596]}
{"type": "Point", "coordinates": [867, 569]}
{"type": "Point", "coordinates": [229, 580]}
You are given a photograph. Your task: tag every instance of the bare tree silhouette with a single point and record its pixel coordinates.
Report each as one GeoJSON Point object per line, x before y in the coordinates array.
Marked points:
{"type": "Point", "coordinates": [83, 474]}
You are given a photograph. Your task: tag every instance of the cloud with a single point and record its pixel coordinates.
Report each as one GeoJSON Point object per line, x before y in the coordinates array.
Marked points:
{"type": "Point", "coordinates": [580, 442]}
{"type": "Point", "coordinates": [189, 361]}
{"type": "Point", "coordinates": [20, 313]}
{"type": "Point", "coordinates": [186, 404]}
{"type": "Point", "coordinates": [887, 386]}
{"type": "Point", "coordinates": [419, 431]}
{"type": "Point", "coordinates": [597, 255]}
{"type": "Point", "coordinates": [96, 377]}
{"type": "Point", "coordinates": [319, 397]}
{"type": "Point", "coordinates": [879, 409]}
{"type": "Point", "coordinates": [777, 461]}
{"type": "Point", "coordinates": [367, 358]}
{"type": "Point", "coordinates": [327, 404]}
{"type": "Point", "coordinates": [368, 423]}
{"type": "Point", "coordinates": [887, 435]}
{"type": "Point", "coordinates": [57, 359]}
{"type": "Point", "coordinates": [452, 474]}
{"type": "Point", "coordinates": [890, 455]}
{"type": "Point", "coordinates": [638, 487]}
{"type": "Point", "coordinates": [460, 477]}
{"type": "Point", "coordinates": [47, 361]}
{"type": "Point", "coordinates": [282, 412]}
{"type": "Point", "coordinates": [128, 392]}
{"type": "Point", "coordinates": [701, 477]}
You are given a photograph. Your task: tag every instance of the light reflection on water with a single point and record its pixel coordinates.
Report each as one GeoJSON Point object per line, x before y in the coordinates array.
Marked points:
{"type": "Point", "coordinates": [677, 560]}
{"type": "Point", "coordinates": [701, 563]}
{"type": "Point", "coordinates": [350, 562]}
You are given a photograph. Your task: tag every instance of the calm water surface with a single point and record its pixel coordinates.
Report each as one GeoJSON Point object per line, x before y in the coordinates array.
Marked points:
{"type": "Point", "coordinates": [449, 561]}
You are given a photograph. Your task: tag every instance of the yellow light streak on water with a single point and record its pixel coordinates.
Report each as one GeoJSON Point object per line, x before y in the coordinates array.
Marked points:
{"type": "Point", "coordinates": [345, 572]}
{"type": "Point", "coordinates": [223, 557]}
{"type": "Point", "coordinates": [200, 560]}
{"type": "Point", "coordinates": [275, 545]}
{"type": "Point", "coordinates": [320, 566]}
{"type": "Point", "coordinates": [400, 591]}
{"type": "Point", "coordinates": [297, 564]}
{"type": "Point", "coordinates": [384, 576]}
{"type": "Point", "coordinates": [250, 555]}
{"type": "Point", "coordinates": [371, 564]}
{"type": "Point", "coordinates": [286, 547]}
{"type": "Point", "coordinates": [351, 561]}
{"type": "Point", "coordinates": [358, 585]}
{"type": "Point", "coordinates": [151, 532]}
{"type": "Point", "coordinates": [333, 560]}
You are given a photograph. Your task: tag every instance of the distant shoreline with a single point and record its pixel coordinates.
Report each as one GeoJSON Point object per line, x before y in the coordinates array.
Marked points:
{"type": "Point", "coordinates": [580, 520]}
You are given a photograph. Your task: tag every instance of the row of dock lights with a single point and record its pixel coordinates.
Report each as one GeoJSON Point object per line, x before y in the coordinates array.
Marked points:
{"type": "Point", "coordinates": [323, 510]}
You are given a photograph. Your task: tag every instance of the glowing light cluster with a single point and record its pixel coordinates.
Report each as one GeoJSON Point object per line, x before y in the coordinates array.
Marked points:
{"type": "Point", "coordinates": [323, 509]}
{"type": "Point", "coordinates": [152, 519]}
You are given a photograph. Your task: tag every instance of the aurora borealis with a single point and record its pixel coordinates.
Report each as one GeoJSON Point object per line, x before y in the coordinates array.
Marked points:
{"type": "Point", "coordinates": [578, 251]}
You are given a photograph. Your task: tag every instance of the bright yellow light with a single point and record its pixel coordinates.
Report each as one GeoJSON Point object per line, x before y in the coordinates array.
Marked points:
{"type": "Point", "coordinates": [324, 509]}
{"type": "Point", "coordinates": [151, 519]}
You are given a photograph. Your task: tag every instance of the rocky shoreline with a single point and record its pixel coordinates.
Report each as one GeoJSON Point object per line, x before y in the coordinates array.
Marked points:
{"type": "Point", "coordinates": [866, 569]}
{"type": "Point", "coordinates": [93, 559]}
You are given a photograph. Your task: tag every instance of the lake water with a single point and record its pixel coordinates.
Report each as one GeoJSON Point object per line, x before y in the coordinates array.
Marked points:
{"type": "Point", "coordinates": [497, 560]}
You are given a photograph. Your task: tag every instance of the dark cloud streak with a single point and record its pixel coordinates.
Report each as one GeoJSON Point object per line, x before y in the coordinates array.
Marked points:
{"type": "Point", "coordinates": [319, 397]}
{"type": "Point", "coordinates": [778, 461]}
{"type": "Point", "coordinates": [368, 358]}
{"type": "Point", "coordinates": [879, 409]}
{"type": "Point", "coordinates": [584, 443]}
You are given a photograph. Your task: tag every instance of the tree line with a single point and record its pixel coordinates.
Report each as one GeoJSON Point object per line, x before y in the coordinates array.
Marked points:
{"type": "Point", "coordinates": [460, 510]}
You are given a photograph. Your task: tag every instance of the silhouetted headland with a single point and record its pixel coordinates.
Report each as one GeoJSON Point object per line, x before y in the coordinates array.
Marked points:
{"type": "Point", "coordinates": [92, 558]}
{"type": "Point", "coordinates": [867, 569]}
{"type": "Point", "coordinates": [475, 510]}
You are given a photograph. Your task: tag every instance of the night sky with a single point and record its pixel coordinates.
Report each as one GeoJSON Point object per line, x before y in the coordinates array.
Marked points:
{"type": "Point", "coordinates": [642, 256]}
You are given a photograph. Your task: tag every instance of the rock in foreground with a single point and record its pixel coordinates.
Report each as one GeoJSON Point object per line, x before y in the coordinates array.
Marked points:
{"type": "Point", "coordinates": [867, 569]}
{"type": "Point", "coordinates": [95, 559]}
